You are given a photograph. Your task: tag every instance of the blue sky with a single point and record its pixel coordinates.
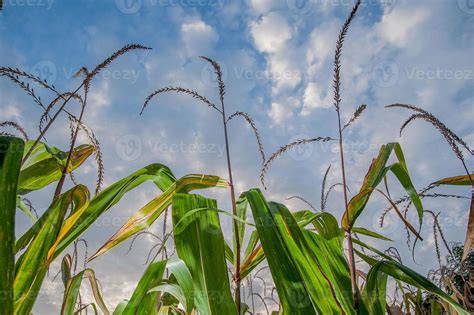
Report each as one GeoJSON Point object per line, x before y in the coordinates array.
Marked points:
{"type": "Point", "coordinates": [277, 60]}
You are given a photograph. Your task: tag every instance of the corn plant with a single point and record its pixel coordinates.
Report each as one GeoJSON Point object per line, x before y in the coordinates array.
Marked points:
{"type": "Point", "coordinates": [304, 250]}
{"type": "Point", "coordinates": [42, 165]}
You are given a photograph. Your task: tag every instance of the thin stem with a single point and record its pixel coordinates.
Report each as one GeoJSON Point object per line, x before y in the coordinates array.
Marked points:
{"type": "Point", "coordinates": [234, 212]}
{"type": "Point", "coordinates": [60, 185]}
{"type": "Point", "coordinates": [470, 223]}
{"type": "Point", "coordinates": [50, 122]}
{"type": "Point", "coordinates": [350, 248]}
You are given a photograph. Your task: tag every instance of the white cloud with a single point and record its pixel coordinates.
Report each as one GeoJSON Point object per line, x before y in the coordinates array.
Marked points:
{"type": "Point", "coordinates": [398, 25]}
{"type": "Point", "coordinates": [262, 6]}
{"type": "Point", "coordinates": [314, 98]}
{"type": "Point", "coordinates": [321, 43]}
{"type": "Point", "coordinates": [279, 113]}
{"type": "Point", "coordinates": [10, 112]}
{"type": "Point", "coordinates": [99, 97]}
{"type": "Point", "coordinates": [270, 33]}
{"type": "Point", "coordinates": [199, 37]}
{"type": "Point", "coordinates": [285, 71]}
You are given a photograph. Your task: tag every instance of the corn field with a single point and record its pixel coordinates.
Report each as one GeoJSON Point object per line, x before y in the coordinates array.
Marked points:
{"type": "Point", "coordinates": [314, 258]}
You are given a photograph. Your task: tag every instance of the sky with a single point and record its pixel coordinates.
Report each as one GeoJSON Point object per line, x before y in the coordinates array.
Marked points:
{"type": "Point", "coordinates": [277, 59]}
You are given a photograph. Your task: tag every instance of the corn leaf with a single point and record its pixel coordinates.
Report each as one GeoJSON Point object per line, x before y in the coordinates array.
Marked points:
{"type": "Point", "coordinates": [32, 264]}
{"type": "Point", "coordinates": [72, 292]}
{"type": "Point", "coordinates": [142, 219]}
{"type": "Point", "coordinates": [159, 174]}
{"type": "Point", "coordinates": [25, 209]}
{"type": "Point", "coordinates": [408, 276]}
{"type": "Point", "coordinates": [252, 261]}
{"type": "Point", "coordinates": [184, 279]}
{"type": "Point", "coordinates": [11, 152]}
{"type": "Point", "coordinates": [462, 180]}
{"type": "Point", "coordinates": [375, 291]}
{"type": "Point", "coordinates": [201, 246]}
{"type": "Point", "coordinates": [308, 269]}
{"type": "Point", "coordinates": [364, 231]}
{"type": "Point", "coordinates": [141, 301]}
{"type": "Point", "coordinates": [377, 171]}
{"type": "Point", "coordinates": [242, 204]}
{"type": "Point", "coordinates": [172, 289]}
{"type": "Point", "coordinates": [47, 166]}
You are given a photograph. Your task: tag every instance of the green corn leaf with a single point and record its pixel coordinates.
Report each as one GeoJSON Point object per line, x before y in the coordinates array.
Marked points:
{"type": "Point", "coordinates": [174, 290]}
{"type": "Point", "coordinates": [145, 217]}
{"type": "Point", "coordinates": [406, 275]}
{"type": "Point", "coordinates": [375, 291]}
{"type": "Point", "coordinates": [141, 301]}
{"type": "Point", "coordinates": [229, 254]}
{"type": "Point", "coordinates": [145, 297]}
{"type": "Point", "coordinates": [11, 152]}
{"type": "Point", "coordinates": [46, 167]}
{"type": "Point", "coordinates": [255, 258]}
{"type": "Point", "coordinates": [66, 269]}
{"type": "Point", "coordinates": [72, 292]}
{"type": "Point", "coordinates": [307, 283]}
{"type": "Point", "coordinates": [288, 281]}
{"type": "Point", "coordinates": [242, 204]}
{"type": "Point", "coordinates": [377, 171]}
{"type": "Point", "coordinates": [32, 264]}
{"type": "Point", "coordinates": [201, 246]}
{"type": "Point", "coordinates": [159, 174]}
{"type": "Point", "coordinates": [25, 209]}
{"type": "Point", "coordinates": [120, 308]}
{"type": "Point", "coordinates": [251, 244]}
{"type": "Point", "coordinates": [184, 279]}
{"type": "Point", "coordinates": [364, 231]}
